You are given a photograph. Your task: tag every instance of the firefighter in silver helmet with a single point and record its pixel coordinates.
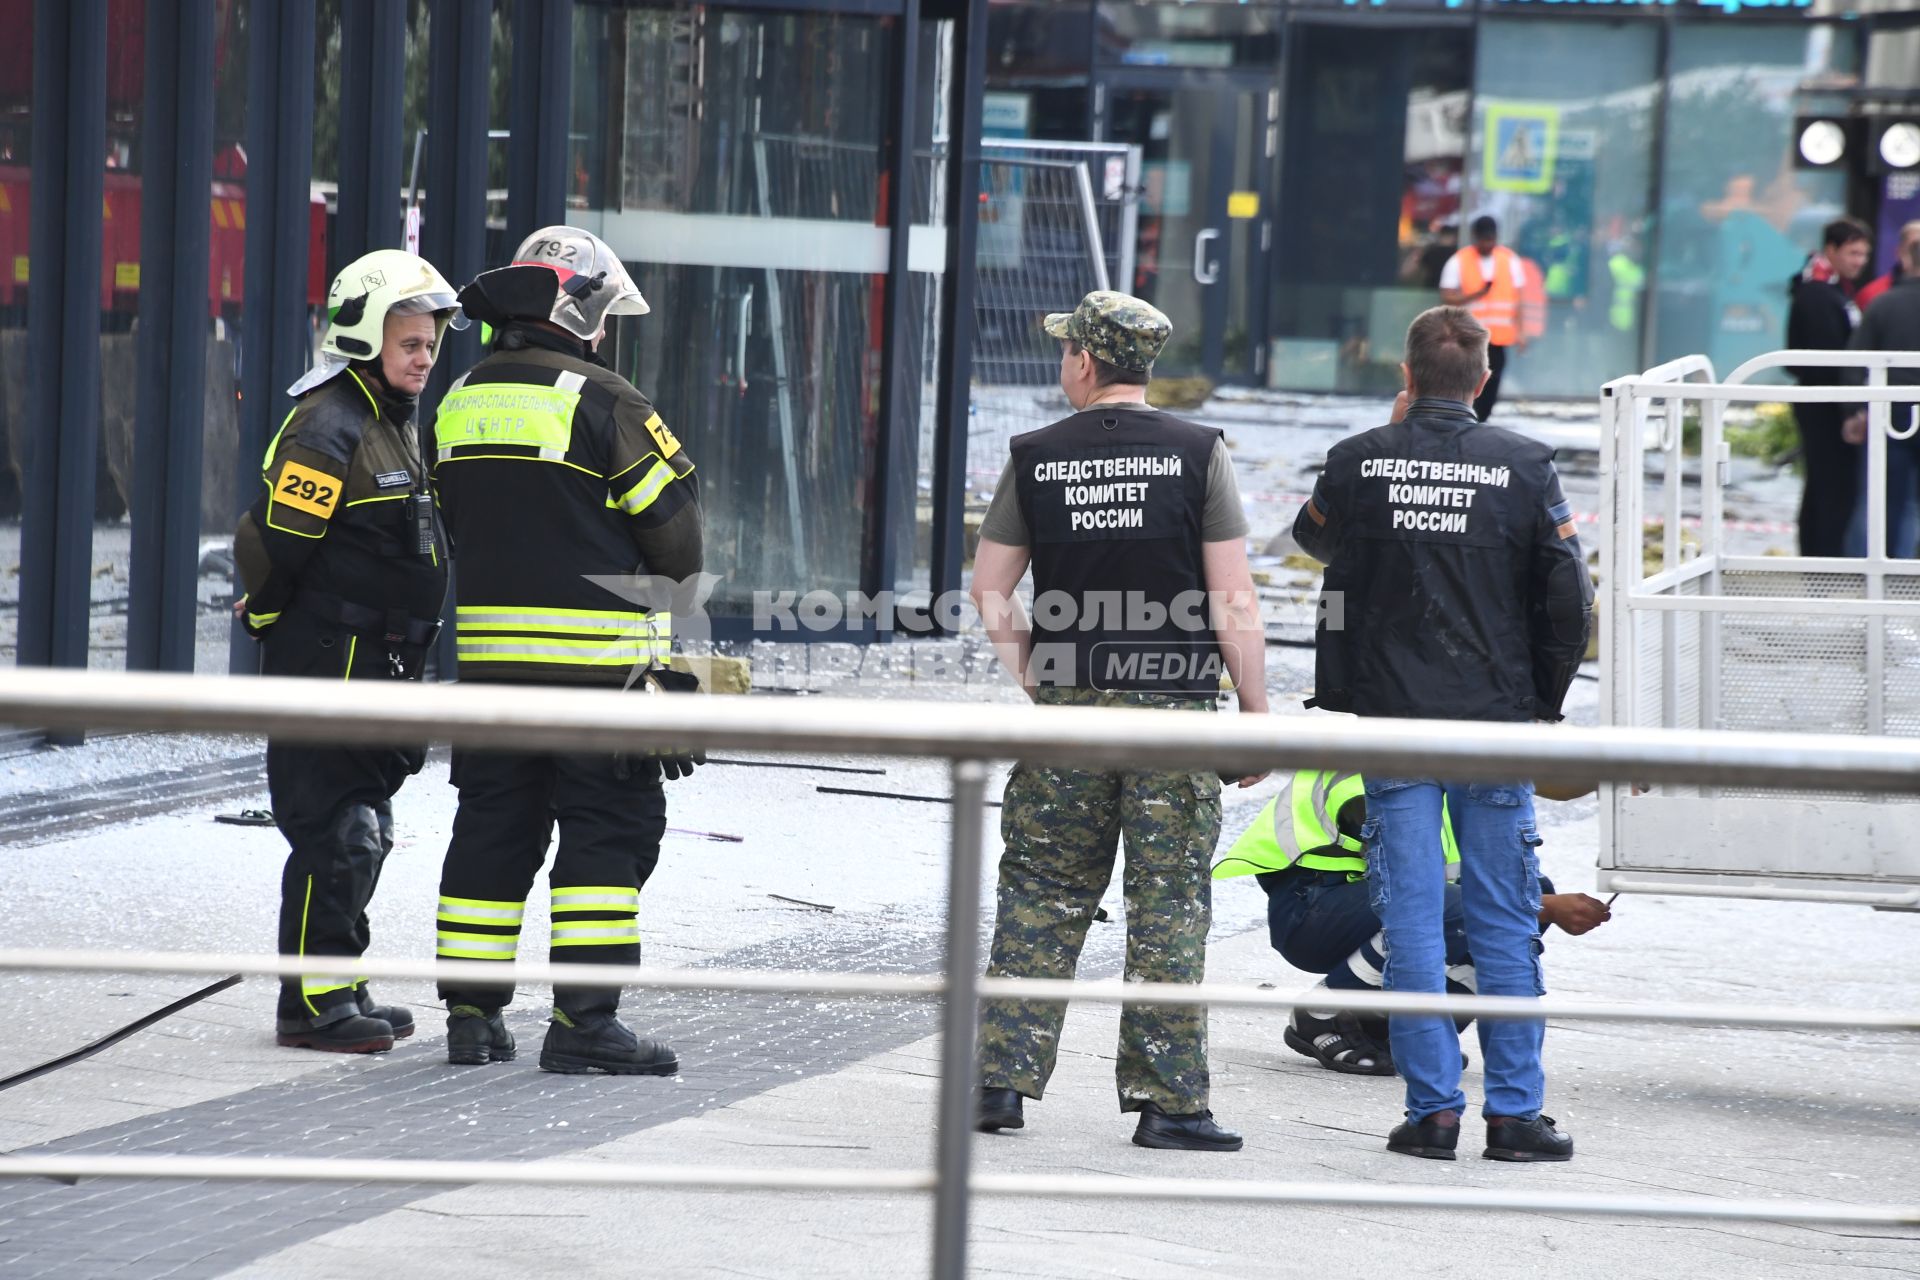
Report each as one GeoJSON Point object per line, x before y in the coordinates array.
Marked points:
{"type": "Point", "coordinates": [557, 478]}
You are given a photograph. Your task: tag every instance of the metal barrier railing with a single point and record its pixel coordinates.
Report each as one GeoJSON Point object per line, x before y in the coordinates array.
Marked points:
{"type": "Point", "coordinates": [577, 720]}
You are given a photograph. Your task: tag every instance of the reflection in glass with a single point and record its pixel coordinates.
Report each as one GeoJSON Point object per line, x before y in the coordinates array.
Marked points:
{"type": "Point", "coordinates": [1361, 254]}
{"type": "Point", "coordinates": [1563, 157]}
{"type": "Point", "coordinates": [750, 137]}
{"type": "Point", "coordinates": [1738, 218]}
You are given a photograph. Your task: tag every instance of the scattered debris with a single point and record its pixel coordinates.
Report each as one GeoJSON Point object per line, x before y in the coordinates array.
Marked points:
{"type": "Point", "coordinates": [708, 835]}
{"type": "Point", "coordinates": [800, 902]}
{"type": "Point", "coordinates": [246, 818]}
{"type": "Point", "coordinates": [893, 795]}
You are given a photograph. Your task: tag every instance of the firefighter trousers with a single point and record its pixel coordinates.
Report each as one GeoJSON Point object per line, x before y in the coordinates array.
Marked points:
{"type": "Point", "coordinates": [333, 806]}
{"type": "Point", "coordinates": [611, 812]}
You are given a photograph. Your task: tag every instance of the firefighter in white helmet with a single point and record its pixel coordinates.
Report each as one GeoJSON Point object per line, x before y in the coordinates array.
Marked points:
{"type": "Point", "coordinates": [345, 566]}
{"type": "Point", "coordinates": [577, 515]}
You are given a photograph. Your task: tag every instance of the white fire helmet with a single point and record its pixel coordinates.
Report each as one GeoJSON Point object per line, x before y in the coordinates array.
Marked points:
{"type": "Point", "coordinates": [386, 282]}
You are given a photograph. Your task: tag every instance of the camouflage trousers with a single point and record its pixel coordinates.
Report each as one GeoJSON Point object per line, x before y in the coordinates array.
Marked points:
{"type": "Point", "coordinates": [1061, 829]}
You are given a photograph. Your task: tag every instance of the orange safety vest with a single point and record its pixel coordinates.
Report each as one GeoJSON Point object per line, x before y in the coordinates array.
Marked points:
{"type": "Point", "coordinates": [1499, 310]}
{"type": "Point", "coordinates": [1533, 301]}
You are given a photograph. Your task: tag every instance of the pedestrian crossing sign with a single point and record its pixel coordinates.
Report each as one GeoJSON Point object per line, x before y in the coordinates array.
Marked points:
{"type": "Point", "coordinates": [1522, 142]}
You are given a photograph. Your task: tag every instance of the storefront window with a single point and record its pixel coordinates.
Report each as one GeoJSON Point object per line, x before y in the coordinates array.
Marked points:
{"type": "Point", "coordinates": [1036, 70]}
{"type": "Point", "coordinates": [1360, 252]}
{"type": "Point", "coordinates": [1563, 158]}
{"type": "Point", "coordinates": [1737, 218]}
{"type": "Point", "coordinates": [748, 207]}
{"type": "Point", "coordinates": [1188, 35]}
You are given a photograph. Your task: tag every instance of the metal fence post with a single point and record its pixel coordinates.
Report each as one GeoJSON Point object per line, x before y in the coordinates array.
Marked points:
{"type": "Point", "coordinates": [953, 1158]}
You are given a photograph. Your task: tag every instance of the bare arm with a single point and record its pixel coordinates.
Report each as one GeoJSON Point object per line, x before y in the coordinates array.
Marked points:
{"type": "Point", "coordinates": [1237, 627]}
{"type": "Point", "coordinates": [997, 569]}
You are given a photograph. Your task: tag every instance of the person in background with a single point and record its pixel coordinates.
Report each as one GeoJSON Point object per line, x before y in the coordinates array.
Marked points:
{"type": "Point", "coordinates": [1822, 317]}
{"type": "Point", "coordinates": [1869, 292]}
{"type": "Point", "coordinates": [1892, 323]}
{"type": "Point", "coordinates": [1489, 280]}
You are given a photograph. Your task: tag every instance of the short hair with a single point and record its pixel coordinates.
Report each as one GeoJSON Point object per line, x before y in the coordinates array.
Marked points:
{"type": "Point", "coordinates": [1110, 375]}
{"type": "Point", "coordinates": [1485, 228]}
{"type": "Point", "coordinates": [1446, 353]}
{"type": "Point", "coordinates": [1910, 253]}
{"type": "Point", "coordinates": [1842, 232]}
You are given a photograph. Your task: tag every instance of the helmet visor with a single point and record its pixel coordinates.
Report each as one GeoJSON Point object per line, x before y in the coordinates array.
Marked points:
{"type": "Point", "coordinates": [433, 302]}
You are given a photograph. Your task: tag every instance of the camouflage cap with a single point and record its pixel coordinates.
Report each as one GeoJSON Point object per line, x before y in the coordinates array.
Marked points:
{"type": "Point", "coordinates": [1122, 330]}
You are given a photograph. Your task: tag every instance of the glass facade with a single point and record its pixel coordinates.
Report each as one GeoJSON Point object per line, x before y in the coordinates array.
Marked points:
{"type": "Point", "coordinates": [749, 205]}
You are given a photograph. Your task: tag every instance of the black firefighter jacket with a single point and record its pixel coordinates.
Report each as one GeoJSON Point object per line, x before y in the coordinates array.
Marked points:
{"type": "Point", "coordinates": [1455, 588]}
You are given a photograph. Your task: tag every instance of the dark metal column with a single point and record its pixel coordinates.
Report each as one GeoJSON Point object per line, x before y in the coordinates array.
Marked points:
{"type": "Point", "coordinates": [276, 338]}
{"type": "Point", "coordinates": [63, 331]}
{"type": "Point", "coordinates": [539, 114]}
{"type": "Point", "coordinates": [176, 175]}
{"type": "Point", "coordinates": [954, 377]}
{"type": "Point", "coordinates": [898, 394]}
{"type": "Point", "coordinates": [373, 72]}
{"type": "Point", "coordinates": [453, 234]}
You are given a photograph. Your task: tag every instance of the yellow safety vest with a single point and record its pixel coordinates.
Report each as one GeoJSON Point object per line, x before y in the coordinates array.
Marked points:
{"type": "Point", "coordinates": [1300, 827]}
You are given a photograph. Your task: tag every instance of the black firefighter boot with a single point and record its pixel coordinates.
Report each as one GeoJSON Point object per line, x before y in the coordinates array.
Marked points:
{"type": "Point", "coordinates": [338, 1028]}
{"type": "Point", "coordinates": [397, 1016]}
{"type": "Point", "coordinates": [579, 1043]}
{"type": "Point", "coordinates": [476, 1037]}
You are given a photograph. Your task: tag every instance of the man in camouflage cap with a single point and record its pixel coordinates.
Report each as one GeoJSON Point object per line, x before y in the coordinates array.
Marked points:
{"type": "Point", "coordinates": [1115, 327]}
{"type": "Point", "coordinates": [1117, 504]}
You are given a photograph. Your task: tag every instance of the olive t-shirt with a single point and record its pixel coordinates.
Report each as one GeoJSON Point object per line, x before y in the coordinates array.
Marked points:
{"type": "Point", "coordinates": [1222, 519]}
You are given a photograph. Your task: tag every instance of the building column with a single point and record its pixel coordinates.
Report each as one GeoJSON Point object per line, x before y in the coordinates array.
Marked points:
{"type": "Point", "coordinates": [954, 374]}
{"type": "Point", "coordinates": [373, 73]}
{"type": "Point", "coordinates": [453, 233]}
{"type": "Point", "coordinates": [539, 113]}
{"type": "Point", "coordinates": [276, 338]}
{"type": "Point", "coordinates": [176, 174]}
{"type": "Point", "coordinates": [63, 331]}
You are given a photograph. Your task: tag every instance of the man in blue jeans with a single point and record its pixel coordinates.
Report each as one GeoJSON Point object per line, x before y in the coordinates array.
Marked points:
{"type": "Point", "coordinates": [1451, 550]}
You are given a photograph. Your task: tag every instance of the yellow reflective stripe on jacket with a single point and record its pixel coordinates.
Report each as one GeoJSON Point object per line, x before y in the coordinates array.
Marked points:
{"type": "Point", "coordinates": [547, 649]}
{"type": "Point", "coordinates": [597, 898]}
{"type": "Point", "coordinates": [494, 414]}
{"type": "Point", "coordinates": [477, 618]}
{"type": "Point", "coordinates": [1300, 825]}
{"type": "Point", "coordinates": [258, 620]}
{"type": "Point", "coordinates": [643, 494]}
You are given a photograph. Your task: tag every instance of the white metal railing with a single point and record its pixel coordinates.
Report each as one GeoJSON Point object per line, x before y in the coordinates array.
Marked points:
{"type": "Point", "coordinates": [1707, 637]}
{"type": "Point", "coordinates": [577, 720]}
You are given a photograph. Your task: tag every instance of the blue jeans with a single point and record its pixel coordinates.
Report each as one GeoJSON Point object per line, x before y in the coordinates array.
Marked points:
{"type": "Point", "coordinates": [1317, 920]}
{"type": "Point", "coordinates": [1500, 907]}
{"type": "Point", "coordinates": [1903, 484]}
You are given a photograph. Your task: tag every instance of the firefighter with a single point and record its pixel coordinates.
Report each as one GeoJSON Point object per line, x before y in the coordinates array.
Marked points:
{"type": "Point", "coordinates": [345, 571]}
{"type": "Point", "coordinates": [568, 499]}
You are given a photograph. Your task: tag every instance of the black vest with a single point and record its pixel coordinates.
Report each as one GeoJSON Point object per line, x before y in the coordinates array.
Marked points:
{"type": "Point", "coordinates": [1113, 498]}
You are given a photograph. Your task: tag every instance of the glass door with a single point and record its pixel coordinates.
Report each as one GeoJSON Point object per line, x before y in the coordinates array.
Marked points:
{"type": "Point", "coordinates": [1205, 210]}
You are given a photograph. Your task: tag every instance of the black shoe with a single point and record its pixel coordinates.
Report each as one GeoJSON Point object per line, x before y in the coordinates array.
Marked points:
{"type": "Point", "coordinates": [998, 1109]}
{"type": "Point", "coordinates": [397, 1016]}
{"type": "Point", "coordinates": [1433, 1138]}
{"type": "Point", "coordinates": [601, 1042]}
{"type": "Point", "coordinates": [1533, 1141]}
{"type": "Point", "coordinates": [476, 1037]}
{"type": "Point", "coordinates": [1195, 1131]}
{"type": "Point", "coordinates": [1340, 1043]}
{"type": "Point", "coordinates": [341, 1031]}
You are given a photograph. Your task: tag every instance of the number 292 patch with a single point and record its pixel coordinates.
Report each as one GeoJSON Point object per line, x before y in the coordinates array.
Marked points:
{"type": "Point", "coordinates": [305, 489]}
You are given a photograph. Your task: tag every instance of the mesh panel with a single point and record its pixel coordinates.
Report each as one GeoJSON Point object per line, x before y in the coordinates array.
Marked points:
{"type": "Point", "coordinates": [1794, 584]}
